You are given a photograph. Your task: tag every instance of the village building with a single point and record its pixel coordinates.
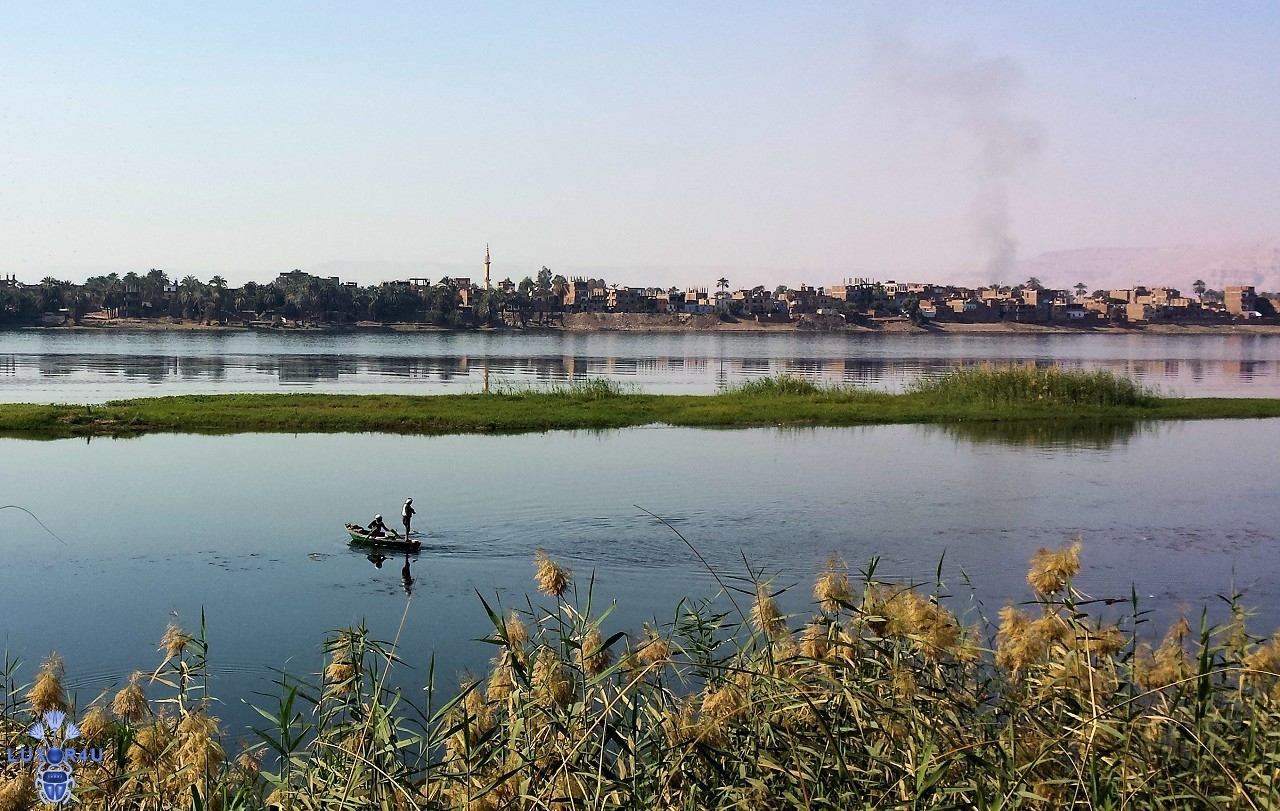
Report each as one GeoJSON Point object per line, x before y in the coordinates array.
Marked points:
{"type": "Point", "coordinates": [1240, 299]}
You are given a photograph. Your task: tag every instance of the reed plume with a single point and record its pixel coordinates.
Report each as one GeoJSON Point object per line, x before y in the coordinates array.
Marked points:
{"type": "Point", "coordinates": [831, 589]}
{"type": "Point", "coordinates": [248, 766]}
{"type": "Point", "coordinates": [502, 681]}
{"type": "Point", "coordinates": [1103, 641]}
{"type": "Point", "coordinates": [174, 641]}
{"type": "Point", "coordinates": [654, 651]}
{"type": "Point", "coordinates": [550, 682]}
{"type": "Point", "coordinates": [1052, 568]}
{"type": "Point", "coordinates": [593, 657]}
{"type": "Point", "coordinates": [151, 746]}
{"type": "Point", "coordinates": [198, 754]}
{"type": "Point", "coordinates": [340, 675]}
{"type": "Point", "coordinates": [1169, 663]}
{"type": "Point", "coordinates": [765, 614]}
{"type": "Point", "coordinates": [473, 719]}
{"type": "Point", "coordinates": [94, 722]}
{"type": "Point", "coordinates": [47, 693]}
{"type": "Point", "coordinates": [552, 580]}
{"type": "Point", "coordinates": [1016, 645]}
{"type": "Point", "coordinates": [814, 640]}
{"type": "Point", "coordinates": [130, 704]}
{"type": "Point", "coordinates": [678, 723]}
{"type": "Point", "coordinates": [17, 793]}
{"type": "Point", "coordinates": [1266, 659]}
{"type": "Point", "coordinates": [721, 706]}
{"type": "Point", "coordinates": [514, 630]}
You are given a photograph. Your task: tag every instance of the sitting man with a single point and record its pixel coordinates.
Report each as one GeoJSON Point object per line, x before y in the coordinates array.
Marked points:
{"type": "Point", "coordinates": [377, 529]}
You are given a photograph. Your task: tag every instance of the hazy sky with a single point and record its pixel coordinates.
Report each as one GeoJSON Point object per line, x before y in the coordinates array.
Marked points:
{"type": "Point", "coordinates": [664, 143]}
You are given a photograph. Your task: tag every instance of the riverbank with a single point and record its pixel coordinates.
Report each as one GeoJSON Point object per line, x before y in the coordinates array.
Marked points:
{"type": "Point", "coordinates": [973, 397]}
{"type": "Point", "coordinates": [684, 322]}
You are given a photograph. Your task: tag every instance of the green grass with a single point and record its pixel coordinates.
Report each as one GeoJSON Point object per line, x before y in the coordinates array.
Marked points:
{"type": "Point", "coordinates": [1010, 396]}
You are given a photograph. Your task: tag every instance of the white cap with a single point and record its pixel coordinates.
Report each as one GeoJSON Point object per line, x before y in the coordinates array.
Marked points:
{"type": "Point", "coordinates": [408, 501]}
{"type": "Point", "coordinates": [377, 518]}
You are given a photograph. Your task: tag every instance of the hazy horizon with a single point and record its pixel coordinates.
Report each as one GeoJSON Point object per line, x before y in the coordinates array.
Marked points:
{"type": "Point", "coordinates": [767, 143]}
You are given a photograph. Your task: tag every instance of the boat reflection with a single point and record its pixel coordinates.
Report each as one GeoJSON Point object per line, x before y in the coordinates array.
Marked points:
{"type": "Point", "coordinates": [406, 572]}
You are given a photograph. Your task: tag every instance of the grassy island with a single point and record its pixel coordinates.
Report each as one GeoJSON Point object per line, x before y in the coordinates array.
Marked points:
{"type": "Point", "coordinates": [1031, 396]}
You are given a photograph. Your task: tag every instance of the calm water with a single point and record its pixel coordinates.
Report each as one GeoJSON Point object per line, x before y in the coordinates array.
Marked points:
{"type": "Point", "coordinates": [45, 366]}
{"type": "Point", "coordinates": [249, 528]}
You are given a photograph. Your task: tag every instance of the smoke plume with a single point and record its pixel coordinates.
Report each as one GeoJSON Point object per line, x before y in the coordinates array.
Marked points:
{"type": "Point", "coordinates": [977, 100]}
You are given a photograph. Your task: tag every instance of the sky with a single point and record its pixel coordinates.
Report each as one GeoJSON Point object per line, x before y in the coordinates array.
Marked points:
{"type": "Point", "coordinates": [656, 143]}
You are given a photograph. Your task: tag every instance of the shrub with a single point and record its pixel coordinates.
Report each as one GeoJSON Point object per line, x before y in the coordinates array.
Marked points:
{"type": "Point", "coordinates": [1048, 386]}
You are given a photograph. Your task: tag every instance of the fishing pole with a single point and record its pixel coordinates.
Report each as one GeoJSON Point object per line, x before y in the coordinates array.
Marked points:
{"type": "Point", "coordinates": [36, 519]}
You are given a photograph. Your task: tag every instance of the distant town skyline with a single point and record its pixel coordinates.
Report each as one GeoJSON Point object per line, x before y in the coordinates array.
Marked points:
{"type": "Point", "coordinates": [1255, 263]}
{"type": "Point", "coordinates": [765, 142]}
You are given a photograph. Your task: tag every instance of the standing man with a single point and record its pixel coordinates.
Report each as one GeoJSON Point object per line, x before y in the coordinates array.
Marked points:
{"type": "Point", "coordinates": [406, 515]}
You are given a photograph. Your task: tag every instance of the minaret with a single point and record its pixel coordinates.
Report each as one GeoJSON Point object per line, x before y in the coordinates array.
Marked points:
{"type": "Point", "coordinates": [486, 266]}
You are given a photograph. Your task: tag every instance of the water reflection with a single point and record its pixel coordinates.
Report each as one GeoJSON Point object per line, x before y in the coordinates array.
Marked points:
{"type": "Point", "coordinates": [1059, 434]}
{"type": "Point", "coordinates": [93, 368]}
{"type": "Point", "coordinates": [406, 577]}
{"type": "Point", "coordinates": [862, 372]}
{"type": "Point", "coordinates": [406, 571]}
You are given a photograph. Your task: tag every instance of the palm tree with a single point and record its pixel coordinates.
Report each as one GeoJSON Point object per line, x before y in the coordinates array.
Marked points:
{"type": "Point", "coordinates": [722, 284]}
{"type": "Point", "coordinates": [219, 287]}
{"type": "Point", "coordinates": [50, 296]}
{"type": "Point", "coordinates": [1081, 287]}
{"type": "Point", "coordinates": [113, 295]}
{"type": "Point", "coordinates": [190, 296]}
{"type": "Point", "coordinates": [1199, 286]}
{"type": "Point", "coordinates": [153, 285]}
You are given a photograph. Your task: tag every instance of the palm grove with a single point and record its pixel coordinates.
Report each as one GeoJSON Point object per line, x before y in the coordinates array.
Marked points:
{"type": "Point", "coordinates": [295, 297]}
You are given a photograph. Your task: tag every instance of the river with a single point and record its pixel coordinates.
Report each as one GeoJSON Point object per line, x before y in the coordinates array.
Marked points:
{"type": "Point", "coordinates": [93, 366]}
{"type": "Point", "coordinates": [248, 529]}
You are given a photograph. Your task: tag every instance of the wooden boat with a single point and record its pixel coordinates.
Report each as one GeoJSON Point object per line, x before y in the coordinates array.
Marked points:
{"type": "Point", "coordinates": [360, 537]}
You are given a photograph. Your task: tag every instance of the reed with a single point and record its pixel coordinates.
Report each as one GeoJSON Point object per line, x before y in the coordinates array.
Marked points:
{"type": "Point", "coordinates": [884, 698]}
{"type": "Point", "coordinates": [1048, 386]}
{"type": "Point", "coordinates": [596, 388]}
{"type": "Point", "coordinates": [782, 384]}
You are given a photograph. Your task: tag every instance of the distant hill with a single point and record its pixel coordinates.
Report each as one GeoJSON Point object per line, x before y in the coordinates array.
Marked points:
{"type": "Point", "coordinates": [1256, 263]}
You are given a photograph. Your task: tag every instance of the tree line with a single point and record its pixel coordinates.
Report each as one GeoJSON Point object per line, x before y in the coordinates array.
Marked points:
{"type": "Point", "coordinates": [301, 297]}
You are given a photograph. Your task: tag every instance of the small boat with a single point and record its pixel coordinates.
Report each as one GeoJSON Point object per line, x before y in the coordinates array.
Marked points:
{"type": "Point", "coordinates": [361, 537]}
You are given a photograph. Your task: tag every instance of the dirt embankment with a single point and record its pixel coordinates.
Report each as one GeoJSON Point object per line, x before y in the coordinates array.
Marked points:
{"type": "Point", "coordinates": [701, 322]}
{"type": "Point", "coordinates": [688, 322]}
{"type": "Point", "coordinates": [642, 322]}
{"type": "Point", "coordinates": [684, 322]}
